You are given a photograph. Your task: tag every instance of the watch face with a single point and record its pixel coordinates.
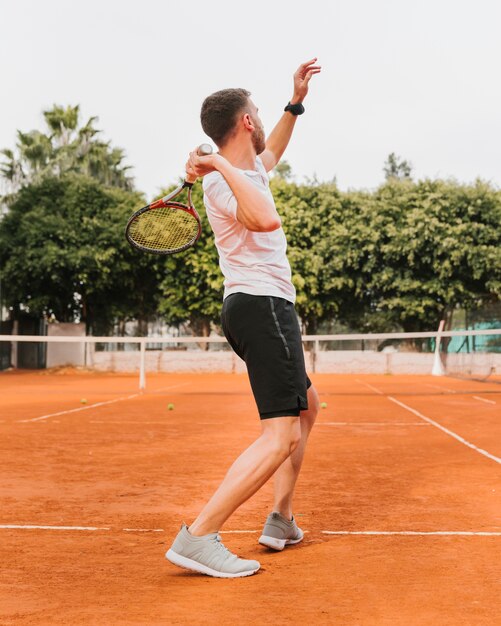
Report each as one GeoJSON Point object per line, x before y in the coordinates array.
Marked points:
{"type": "Point", "coordinates": [295, 109]}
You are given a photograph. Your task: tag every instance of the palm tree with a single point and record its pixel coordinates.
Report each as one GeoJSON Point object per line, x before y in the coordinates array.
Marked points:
{"type": "Point", "coordinates": [11, 169]}
{"type": "Point", "coordinates": [66, 147]}
{"type": "Point", "coordinates": [62, 121]}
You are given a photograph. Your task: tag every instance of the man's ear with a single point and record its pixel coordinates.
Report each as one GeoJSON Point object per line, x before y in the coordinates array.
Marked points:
{"type": "Point", "coordinates": [248, 123]}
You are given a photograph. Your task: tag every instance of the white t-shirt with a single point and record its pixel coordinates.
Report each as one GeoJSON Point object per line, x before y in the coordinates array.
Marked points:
{"type": "Point", "coordinates": [251, 262]}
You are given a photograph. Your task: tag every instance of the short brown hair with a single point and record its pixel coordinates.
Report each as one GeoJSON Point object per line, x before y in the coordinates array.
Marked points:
{"type": "Point", "coordinates": [219, 113]}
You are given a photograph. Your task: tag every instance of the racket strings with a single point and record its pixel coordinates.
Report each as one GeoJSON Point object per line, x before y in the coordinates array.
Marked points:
{"type": "Point", "coordinates": [164, 229]}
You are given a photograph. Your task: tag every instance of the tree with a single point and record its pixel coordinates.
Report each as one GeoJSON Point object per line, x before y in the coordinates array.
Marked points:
{"type": "Point", "coordinates": [63, 253]}
{"type": "Point", "coordinates": [435, 245]}
{"type": "Point", "coordinates": [402, 257]}
{"type": "Point", "coordinates": [65, 147]}
{"type": "Point", "coordinates": [396, 168]}
{"type": "Point", "coordinates": [283, 170]}
{"type": "Point", "coordinates": [307, 215]}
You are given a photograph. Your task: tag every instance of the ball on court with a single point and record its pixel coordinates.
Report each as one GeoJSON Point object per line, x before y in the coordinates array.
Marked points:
{"type": "Point", "coordinates": [323, 405]}
{"type": "Point", "coordinates": [83, 401]}
{"type": "Point", "coordinates": [170, 407]}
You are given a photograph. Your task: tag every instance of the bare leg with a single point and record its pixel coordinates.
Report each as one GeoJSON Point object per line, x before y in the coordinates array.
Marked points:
{"type": "Point", "coordinates": [280, 437]}
{"type": "Point", "coordinates": [286, 475]}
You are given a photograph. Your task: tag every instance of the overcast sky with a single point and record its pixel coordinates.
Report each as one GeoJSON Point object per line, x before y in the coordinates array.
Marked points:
{"type": "Point", "coordinates": [421, 79]}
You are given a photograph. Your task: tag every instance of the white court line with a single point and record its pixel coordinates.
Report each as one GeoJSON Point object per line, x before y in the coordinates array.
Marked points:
{"type": "Point", "coordinates": [240, 532]}
{"type": "Point", "coordinates": [371, 424]}
{"type": "Point", "coordinates": [447, 431]}
{"type": "Point", "coordinates": [458, 533]}
{"type": "Point", "coordinates": [119, 422]}
{"type": "Point", "coordinates": [35, 527]}
{"type": "Point", "coordinates": [161, 530]}
{"type": "Point", "coordinates": [439, 426]}
{"type": "Point", "coordinates": [143, 530]}
{"type": "Point", "coordinates": [92, 528]}
{"type": "Point", "coordinates": [80, 408]}
{"type": "Point", "coordinates": [169, 387]}
{"type": "Point", "coordinates": [164, 423]}
{"type": "Point", "coordinates": [440, 533]}
{"type": "Point", "coordinates": [378, 391]}
{"type": "Point", "coordinates": [459, 392]}
{"type": "Point", "coordinates": [92, 406]}
{"type": "Point", "coordinates": [484, 400]}
{"type": "Point", "coordinates": [441, 388]}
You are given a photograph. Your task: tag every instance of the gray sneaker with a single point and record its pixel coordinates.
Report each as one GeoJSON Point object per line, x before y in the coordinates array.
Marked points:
{"type": "Point", "coordinates": [208, 555]}
{"type": "Point", "coordinates": [279, 532]}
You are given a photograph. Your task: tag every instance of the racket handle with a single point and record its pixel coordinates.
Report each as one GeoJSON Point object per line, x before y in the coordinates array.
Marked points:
{"type": "Point", "coordinates": [204, 149]}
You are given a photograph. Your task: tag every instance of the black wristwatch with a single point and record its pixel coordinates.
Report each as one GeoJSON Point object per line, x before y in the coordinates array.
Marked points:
{"type": "Point", "coordinates": [295, 109]}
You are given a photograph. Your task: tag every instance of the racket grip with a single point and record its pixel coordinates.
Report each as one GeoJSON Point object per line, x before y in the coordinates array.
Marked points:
{"type": "Point", "coordinates": [204, 149]}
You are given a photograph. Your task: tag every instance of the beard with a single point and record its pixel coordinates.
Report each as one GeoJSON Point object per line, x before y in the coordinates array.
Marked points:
{"type": "Point", "coordinates": [258, 139]}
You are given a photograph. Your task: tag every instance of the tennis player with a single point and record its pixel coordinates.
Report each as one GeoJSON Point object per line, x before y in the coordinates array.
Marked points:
{"type": "Point", "coordinates": [259, 321]}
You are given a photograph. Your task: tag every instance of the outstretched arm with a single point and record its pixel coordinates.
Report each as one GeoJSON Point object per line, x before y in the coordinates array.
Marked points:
{"type": "Point", "coordinates": [280, 136]}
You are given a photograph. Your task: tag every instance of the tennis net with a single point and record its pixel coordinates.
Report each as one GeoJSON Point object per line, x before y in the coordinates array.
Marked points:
{"type": "Point", "coordinates": [468, 354]}
{"type": "Point", "coordinates": [475, 356]}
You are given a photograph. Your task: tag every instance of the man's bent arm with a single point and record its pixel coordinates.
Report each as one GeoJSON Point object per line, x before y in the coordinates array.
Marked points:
{"type": "Point", "coordinates": [254, 209]}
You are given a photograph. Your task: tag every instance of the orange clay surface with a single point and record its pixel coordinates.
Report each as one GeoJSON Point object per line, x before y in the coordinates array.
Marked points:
{"type": "Point", "coordinates": [121, 476]}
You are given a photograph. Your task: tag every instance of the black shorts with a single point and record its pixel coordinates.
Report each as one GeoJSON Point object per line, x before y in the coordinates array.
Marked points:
{"type": "Point", "coordinates": [264, 332]}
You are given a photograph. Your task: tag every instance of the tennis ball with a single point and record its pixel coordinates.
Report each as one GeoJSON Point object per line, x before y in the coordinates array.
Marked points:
{"type": "Point", "coordinates": [83, 401]}
{"type": "Point", "coordinates": [324, 405]}
{"type": "Point", "coordinates": [170, 407]}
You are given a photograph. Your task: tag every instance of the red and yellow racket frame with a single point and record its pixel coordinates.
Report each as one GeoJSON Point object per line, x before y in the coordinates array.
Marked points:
{"type": "Point", "coordinates": [167, 202]}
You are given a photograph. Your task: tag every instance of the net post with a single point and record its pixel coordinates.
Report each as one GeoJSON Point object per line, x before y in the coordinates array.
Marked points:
{"type": "Point", "coordinates": [316, 347]}
{"type": "Point", "coordinates": [438, 368]}
{"type": "Point", "coordinates": [142, 369]}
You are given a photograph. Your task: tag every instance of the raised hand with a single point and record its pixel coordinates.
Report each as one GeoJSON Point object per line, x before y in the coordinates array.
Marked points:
{"type": "Point", "coordinates": [199, 165]}
{"type": "Point", "coordinates": [301, 79]}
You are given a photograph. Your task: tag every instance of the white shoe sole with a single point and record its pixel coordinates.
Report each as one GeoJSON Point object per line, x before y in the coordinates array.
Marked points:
{"type": "Point", "coordinates": [195, 566]}
{"type": "Point", "coordinates": [277, 544]}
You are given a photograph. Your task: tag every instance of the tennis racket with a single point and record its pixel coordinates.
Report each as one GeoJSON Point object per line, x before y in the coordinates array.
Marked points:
{"type": "Point", "coordinates": [167, 226]}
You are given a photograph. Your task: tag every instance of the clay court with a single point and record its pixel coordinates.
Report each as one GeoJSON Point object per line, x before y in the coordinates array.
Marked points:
{"type": "Point", "coordinates": [399, 495]}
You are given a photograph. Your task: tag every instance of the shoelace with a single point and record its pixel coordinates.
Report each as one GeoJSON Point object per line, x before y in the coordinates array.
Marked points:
{"type": "Point", "coordinates": [220, 546]}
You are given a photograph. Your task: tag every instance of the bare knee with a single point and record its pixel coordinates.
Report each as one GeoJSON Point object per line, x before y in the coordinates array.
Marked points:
{"type": "Point", "coordinates": [309, 416]}
{"type": "Point", "coordinates": [294, 438]}
{"type": "Point", "coordinates": [284, 435]}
